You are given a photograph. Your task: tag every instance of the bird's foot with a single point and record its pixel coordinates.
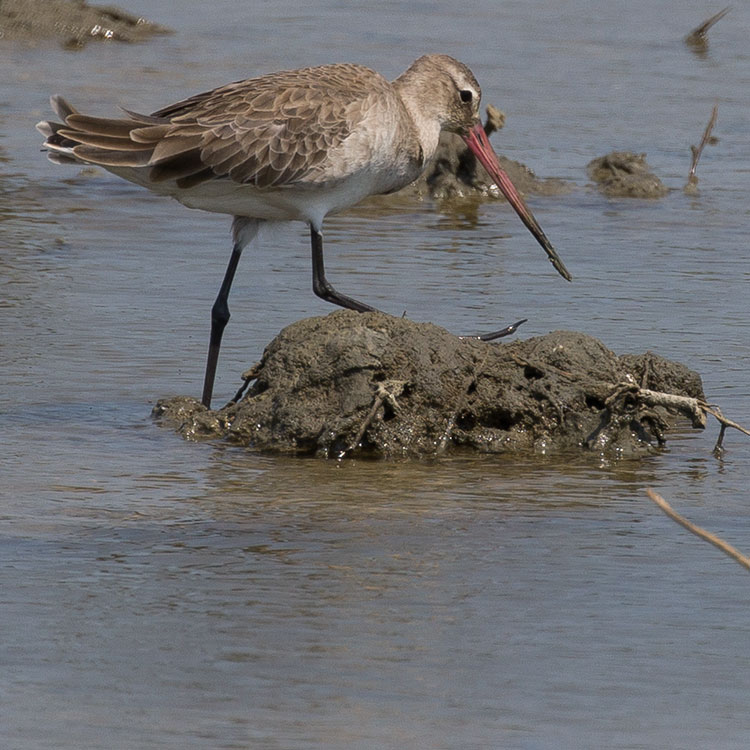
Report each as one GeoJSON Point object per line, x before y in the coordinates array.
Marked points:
{"type": "Point", "coordinates": [497, 334]}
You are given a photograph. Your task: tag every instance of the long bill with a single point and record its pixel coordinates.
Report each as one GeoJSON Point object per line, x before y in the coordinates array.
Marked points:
{"type": "Point", "coordinates": [477, 141]}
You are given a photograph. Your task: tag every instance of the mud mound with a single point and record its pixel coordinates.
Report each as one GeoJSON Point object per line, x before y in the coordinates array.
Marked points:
{"type": "Point", "coordinates": [72, 22]}
{"type": "Point", "coordinates": [622, 174]}
{"type": "Point", "coordinates": [370, 384]}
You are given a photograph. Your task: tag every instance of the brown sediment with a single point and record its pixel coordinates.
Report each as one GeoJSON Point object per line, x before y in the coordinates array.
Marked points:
{"type": "Point", "coordinates": [622, 174]}
{"type": "Point", "coordinates": [72, 22]}
{"type": "Point", "coordinates": [368, 384]}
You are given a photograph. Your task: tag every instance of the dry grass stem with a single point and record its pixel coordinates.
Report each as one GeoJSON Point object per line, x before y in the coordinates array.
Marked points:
{"type": "Point", "coordinates": [725, 547]}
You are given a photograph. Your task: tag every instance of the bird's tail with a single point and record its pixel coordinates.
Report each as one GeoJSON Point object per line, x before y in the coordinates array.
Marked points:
{"type": "Point", "coordinates": [140, 148]}
{"type": "Point", "coordinates": [59, 148]}
{"type": "Point", "coordinates": [108, 142]}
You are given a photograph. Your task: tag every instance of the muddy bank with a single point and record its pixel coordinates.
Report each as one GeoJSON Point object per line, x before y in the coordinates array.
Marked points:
{"type": "Point", "coordinates": [73, 23]}
{"type": "Point", "coordinates": [352, 384]}
{"type": "Point", "coordinates": [622, 174]}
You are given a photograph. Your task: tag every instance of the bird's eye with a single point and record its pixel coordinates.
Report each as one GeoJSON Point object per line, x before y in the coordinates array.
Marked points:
{"type": "Point", "coordinates": [466, 95]}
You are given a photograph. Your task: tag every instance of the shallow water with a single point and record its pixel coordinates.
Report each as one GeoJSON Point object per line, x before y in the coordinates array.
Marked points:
{"type": "Point", "coordinates": [157, 593]}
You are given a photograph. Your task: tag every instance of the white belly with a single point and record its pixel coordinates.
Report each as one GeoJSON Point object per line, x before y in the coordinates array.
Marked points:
{"type": "Point", "coordinates": [303, 202]}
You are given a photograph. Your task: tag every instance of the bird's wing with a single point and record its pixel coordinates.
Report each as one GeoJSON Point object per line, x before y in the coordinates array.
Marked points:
{"type": "Point", "coordinates": [271, 131]}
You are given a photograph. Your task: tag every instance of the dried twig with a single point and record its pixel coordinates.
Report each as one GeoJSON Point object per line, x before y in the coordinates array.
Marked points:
{"type": "Point", "coordinates": [387, 392]}
{"type": "Point", "coordinates": [715, 412]}
{"type": "Point", "coordinates": [697, 151]}
{"type": "Point", "coordinates": [726, 548]}
{"type": "Point", "coordinates": [695, 408]}
{"type": "Point", "coordinates": [698, 37]}
{"type": "Point", "coordinates": [248, 376]}
{"type": "Point", "coordinates": [691, 407]}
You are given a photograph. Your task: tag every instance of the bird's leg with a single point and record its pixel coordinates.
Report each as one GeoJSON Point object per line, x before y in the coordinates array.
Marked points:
{"type": "Point", "coordinates": [324, 290]}
{"type": "Point", "coordinates": [219, 319]}
{"type": "Point", "coordinates": [321, 285]}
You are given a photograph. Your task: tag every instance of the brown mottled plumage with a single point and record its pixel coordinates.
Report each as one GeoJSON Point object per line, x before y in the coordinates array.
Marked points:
{"type": "Point", "coordinates": [293, 145]}
{"type": "Point", "coordinates": [277, 131]}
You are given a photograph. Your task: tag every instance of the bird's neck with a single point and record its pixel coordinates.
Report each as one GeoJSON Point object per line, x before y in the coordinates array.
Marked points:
{"type": "Point", "coordinates": [412, 92]}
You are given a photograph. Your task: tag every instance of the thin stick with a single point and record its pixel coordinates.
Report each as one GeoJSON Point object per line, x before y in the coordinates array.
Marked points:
{"type": "Point", "coordinates": [724, 421]}
{"type": "Point", "coordinates": [388, 391]}
{"type": "Point", "coordinates": [248, 376]}
{"type": "Point", "coordinates": [692, 179]}
{"type": "Point", "coordinates": [726, 548]}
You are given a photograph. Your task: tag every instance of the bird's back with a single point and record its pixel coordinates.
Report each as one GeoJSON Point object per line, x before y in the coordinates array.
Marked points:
{"type": "Point", "coordinates": [293, 130]}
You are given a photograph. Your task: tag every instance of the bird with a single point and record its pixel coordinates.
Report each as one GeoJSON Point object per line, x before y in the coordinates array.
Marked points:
{"type": "Point", "coordinates": [293, 145]}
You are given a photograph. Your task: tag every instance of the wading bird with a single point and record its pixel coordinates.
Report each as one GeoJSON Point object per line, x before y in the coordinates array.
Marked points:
{"type": "Point", "coordinates": [293, 145]}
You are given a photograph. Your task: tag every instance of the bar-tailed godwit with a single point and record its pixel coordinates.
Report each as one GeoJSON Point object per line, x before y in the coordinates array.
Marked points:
{"type": "Point", "coordinates": [293, 145]}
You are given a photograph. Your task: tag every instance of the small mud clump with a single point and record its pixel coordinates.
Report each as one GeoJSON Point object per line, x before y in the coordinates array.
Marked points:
{"type": "Point", "coordinates": [622, 174]}
{"type": "Point", "coordinates": [368, 384]}
{"type": "Point", "coordinates": [72, 22]}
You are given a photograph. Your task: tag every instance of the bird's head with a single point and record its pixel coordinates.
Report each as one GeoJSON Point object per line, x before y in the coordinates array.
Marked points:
{"type": "Point", "coordinates": [449, 94]}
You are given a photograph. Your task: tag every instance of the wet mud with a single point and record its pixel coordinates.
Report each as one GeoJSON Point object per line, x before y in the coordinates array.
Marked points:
{"type": "Point", "coordinates": [622, 174]}
{"type": "Point", "coordinates": [73, 23]}
{"type": "Point", "coordinates": [368, 384]}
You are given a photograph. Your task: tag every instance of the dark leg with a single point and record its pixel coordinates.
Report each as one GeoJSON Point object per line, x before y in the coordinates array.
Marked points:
{"type": "Point", "coordinates": [322, 287]}
{"type": "Point", "coordinates": [219, 319]}
{"type": "Point", "coordinates": [325, 291]}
